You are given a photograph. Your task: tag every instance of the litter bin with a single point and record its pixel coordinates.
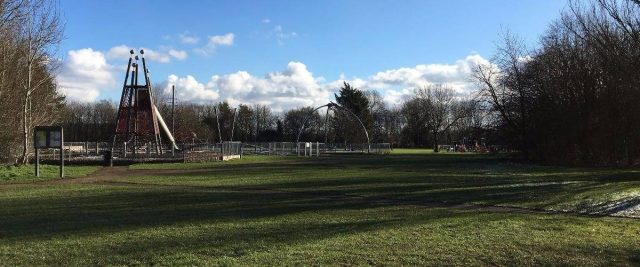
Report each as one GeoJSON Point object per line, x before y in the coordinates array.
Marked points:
{"type": "Point", "coordinates": [108, 158]}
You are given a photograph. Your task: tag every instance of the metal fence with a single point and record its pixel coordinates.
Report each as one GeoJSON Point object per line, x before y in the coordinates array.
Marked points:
{"type": "Point", "coordinates": [95, 151]}
{"type": "Point", "coordinates": [77, 150]}
{"type": "Point", "coordinates": [313, 148]}
{"type": "Point", "coordinates": [224, 148]}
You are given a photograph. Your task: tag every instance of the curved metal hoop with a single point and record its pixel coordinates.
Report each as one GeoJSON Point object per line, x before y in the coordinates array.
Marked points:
{"type": "Point", "coordinates": [334, 105]}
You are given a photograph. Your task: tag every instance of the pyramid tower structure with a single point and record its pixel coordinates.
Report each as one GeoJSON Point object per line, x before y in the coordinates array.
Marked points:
{"type": "Point", "coordinates": [138, 122]}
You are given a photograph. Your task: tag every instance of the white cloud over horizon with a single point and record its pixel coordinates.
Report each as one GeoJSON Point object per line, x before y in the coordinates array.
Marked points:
{"type": "Point", "coordinates": [86, 73]}
{"type": "Point", "coordinates": [215, 41]}
{"type": "Point", "coordinates": [163, 55]}
{"type": "Point", "coordinates": [281, 35]}
{"type": "Point", "coordinates": [293, 87]}
{"type": "Point", "coordinates": [188, 38]}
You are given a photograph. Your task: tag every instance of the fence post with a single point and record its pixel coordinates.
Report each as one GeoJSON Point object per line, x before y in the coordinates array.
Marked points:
{"type": "Point", "coordinates": [125, 150]}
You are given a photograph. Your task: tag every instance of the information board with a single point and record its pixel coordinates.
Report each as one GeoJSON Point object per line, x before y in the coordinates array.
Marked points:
{"type": "Point", "coordinates": [48, 137]}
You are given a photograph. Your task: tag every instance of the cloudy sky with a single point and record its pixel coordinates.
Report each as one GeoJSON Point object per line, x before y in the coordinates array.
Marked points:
{"type": "Point", "coordinates": [288, 53]}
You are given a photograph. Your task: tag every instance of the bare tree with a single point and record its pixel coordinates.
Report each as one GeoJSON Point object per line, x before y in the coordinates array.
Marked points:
{"type": "Point", "coordinates": [40, 32]}
{"type": "Point", "coordinates": [503, 85]}
{"type": "Point", "coordinates": [435, 109]}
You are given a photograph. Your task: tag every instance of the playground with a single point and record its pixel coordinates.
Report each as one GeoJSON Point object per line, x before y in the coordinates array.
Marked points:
{"type": "Point", "coordinates": [411, 207]}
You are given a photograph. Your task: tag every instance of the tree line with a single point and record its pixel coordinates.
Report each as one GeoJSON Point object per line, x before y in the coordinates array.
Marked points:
{"type": "Point", "coordinates": [574, 99]}
{"type": "Point", "coordinates": [433, 115]}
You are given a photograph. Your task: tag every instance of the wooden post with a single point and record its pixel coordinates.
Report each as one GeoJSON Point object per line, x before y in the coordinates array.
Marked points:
{"type": "Point", "coordinates": [61, 162]}
{"type": "Point", "coordinates": [37, 163]}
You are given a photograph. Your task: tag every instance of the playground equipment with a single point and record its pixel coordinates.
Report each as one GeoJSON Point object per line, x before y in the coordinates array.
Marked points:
{"type": "Point", "coordinates": [138, 122]}
{"type": "Point", "coordinates": [329, 106]}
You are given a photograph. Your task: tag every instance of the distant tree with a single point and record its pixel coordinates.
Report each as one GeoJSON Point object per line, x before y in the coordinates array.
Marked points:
{"type": "Point", "coordinates": [503, 84]}
{"type": "Point", "coordinates": [355, 100]}
{"type": "Point", "coordinates": [89, 121]}
{"type": "Point", "coordinates": [415, 130]}
{"type": "Point", "coordinates": [434, 109]}
{"type": "Point", "coordinates": [264, 120]}
{"type": "Point", "coordinates": [380, 115]}
{"type": "Point", "coordinates": [293, 123]}
{"type": "Point", "coordinates": [244, 124]}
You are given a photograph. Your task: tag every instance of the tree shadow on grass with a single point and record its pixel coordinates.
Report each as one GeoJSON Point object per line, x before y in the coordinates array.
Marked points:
{"type": "Point", "coordinates": [143, 206]}
{"type": "Point", "coordinates": [149, 205]}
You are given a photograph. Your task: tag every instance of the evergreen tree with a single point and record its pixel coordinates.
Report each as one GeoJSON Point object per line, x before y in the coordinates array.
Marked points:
{"type": "Point", "coordinates": [355, 100]}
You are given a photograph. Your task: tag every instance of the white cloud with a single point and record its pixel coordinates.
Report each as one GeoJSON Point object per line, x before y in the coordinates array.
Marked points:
{"type": "Point", "coordinates": [293, 87]}
{"type": "Point", "coordinates": [189, 89]}
{"type": "Point", "coordinates": [214, 42]}
{"type": "Point", "coordinates": [456, 76]}
{"type": "Point", "coordinates": [266, 21]}
{"type": "Point", "coordinates": [396, 85]}
{"type": "Point", "coordinates": [178, 54]}
{"type": "Point", "coordinates": [281, 35]}
{"type": "Point", "coordinates": [119, 52]}
{"type": "Point", "coordinates": [164, 55]}
{"type": "Point", "coordinates": [226, 39]}
{"type": "Point", "coordinates": [155, 55]}
{"type": "Point", "coordinates": [187, 38]}
{"type": "Point", "coordinates": [296, 86]}
{"type": "Point", "coordinates": [84, 73]}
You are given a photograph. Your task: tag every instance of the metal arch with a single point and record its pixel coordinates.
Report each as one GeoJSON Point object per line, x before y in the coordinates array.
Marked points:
{"type": "Point", "coordinates": [332, 105]}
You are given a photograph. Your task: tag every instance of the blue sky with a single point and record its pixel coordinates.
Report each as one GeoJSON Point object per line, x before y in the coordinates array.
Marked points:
{"type": "Point", "coordinates": [288, 53]}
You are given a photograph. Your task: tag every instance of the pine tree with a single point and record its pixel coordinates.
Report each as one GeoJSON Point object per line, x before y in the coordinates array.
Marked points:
{"type": "Point", "coordinates": [356, 101]}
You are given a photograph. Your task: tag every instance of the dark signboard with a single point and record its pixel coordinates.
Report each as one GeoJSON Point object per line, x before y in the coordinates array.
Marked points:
{"type": "Point", "coordinates": [47, 137]}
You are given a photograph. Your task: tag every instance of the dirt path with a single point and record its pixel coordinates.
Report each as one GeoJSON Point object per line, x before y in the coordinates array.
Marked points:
{"type": "Point", "coordinates": [105, 174]}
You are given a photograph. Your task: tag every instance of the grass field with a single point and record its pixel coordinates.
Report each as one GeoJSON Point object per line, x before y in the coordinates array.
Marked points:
{"type": "Point", "coordinates": [26, 173]}
{"type": "Point", "coordinates": [410, 208]}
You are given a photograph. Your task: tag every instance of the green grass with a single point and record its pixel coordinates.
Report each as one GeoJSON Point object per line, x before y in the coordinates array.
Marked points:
{"type": "Point", "coordinates": [411, 151]}
{"type": "Point", "coordinates": [341, 210]}
{"type": "Point", "coordinates": [26, 173]}
{"type": "Point", "coordinates": [200, 165]}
